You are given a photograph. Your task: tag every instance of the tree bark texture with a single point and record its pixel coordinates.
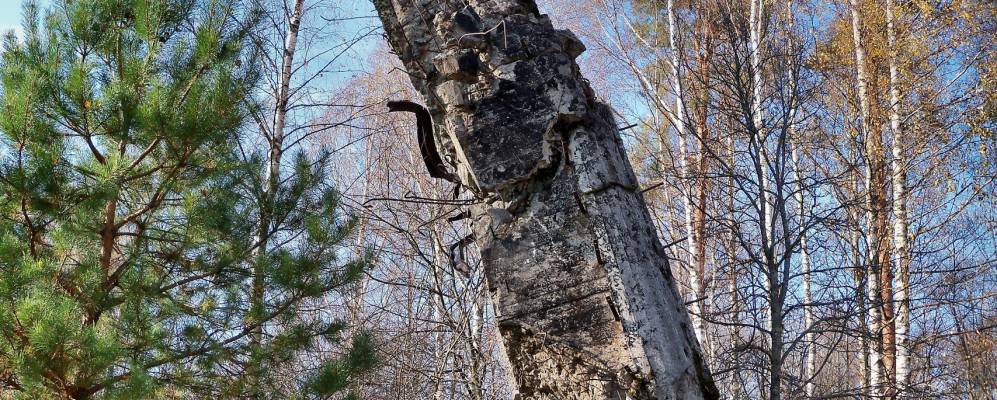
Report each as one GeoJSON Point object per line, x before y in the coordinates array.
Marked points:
{"type": "Point", "coordinates": [585, 301]}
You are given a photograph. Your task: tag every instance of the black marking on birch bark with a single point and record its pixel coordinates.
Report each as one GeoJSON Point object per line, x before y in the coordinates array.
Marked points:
{"type": "Point", "coordinates": [612, 306]}
{"type": "Point", "coordinates": [598, 251]}
{"type": "Point", "coordinates": [460, 244]}
{"type": "Point", "coordinates": [467, 20]}
{"type": "Point", "coordinates": [652, 187]}
{"type": "Point", "coordinates": [581, 205]}
{"type": "Point", "coordinates": [427, 142]}
{"type": "Point", "coordinates": [667, 274]}
{"type": "Point", "coordinates": [463, 214]}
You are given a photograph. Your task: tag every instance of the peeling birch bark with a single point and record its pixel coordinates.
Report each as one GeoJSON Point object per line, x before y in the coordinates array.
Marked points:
{"type": "Point", "coordinates": [585, 301]}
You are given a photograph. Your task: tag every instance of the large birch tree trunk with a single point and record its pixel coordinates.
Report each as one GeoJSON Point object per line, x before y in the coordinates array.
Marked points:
{"type": "Point", "coordinates": [585, 301]}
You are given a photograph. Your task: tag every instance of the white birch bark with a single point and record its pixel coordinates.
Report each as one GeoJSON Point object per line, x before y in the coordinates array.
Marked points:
{"type": "Point", "coordinates": [757, 11]}
{"type": "Point", "coordinates": [733, 383]}
{"type": "Point", "coordinates": [439, 313]}
{"type": "Point", "coordinates": [810, 370]}
{"type": "Point", "coordinates": [765, 202]}
{"type": "Point", "coordinates": [872, 274]}
{"type": "Point", "coordinates": [766, 199]}
{"type": "Point", "coordinates": [808, 316]}
{"type": "Point", "coordinates": [860, 302]}
{"type": "Point", "coordinates": [900, 223]}
{"type": "Point", "coordinates": [271, 178]}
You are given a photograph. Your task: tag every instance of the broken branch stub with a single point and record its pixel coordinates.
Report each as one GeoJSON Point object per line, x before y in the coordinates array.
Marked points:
{"type": "Point", "coordinates": [427, 142]}
{"type": "Point", "coordinates": [584, 297]}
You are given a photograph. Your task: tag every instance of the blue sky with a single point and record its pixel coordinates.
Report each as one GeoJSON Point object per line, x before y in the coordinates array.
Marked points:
{"type": "Point", "coordinates": [10, 15]}
{"type": "Point", "coordinates": [10, 11]}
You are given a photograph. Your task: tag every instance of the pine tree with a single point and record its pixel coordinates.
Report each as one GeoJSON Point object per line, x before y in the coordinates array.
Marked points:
{"type": "Point", "coordinates": [126, 212]}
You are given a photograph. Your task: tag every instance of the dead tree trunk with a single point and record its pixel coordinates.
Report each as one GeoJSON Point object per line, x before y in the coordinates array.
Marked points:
{"type": "Point", "coordinates": [584, 297]}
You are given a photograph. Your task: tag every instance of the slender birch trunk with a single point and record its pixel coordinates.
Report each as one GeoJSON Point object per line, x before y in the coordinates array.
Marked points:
{"type": "Point", "coordinates": [439, 311]}
{"type": "Point", "coordinates": [854, 238]}
{"type": "Point", "coordinates": [472, 347]}
{"type": "Point", "coordinates": [766, 201]}
{"type": "Point", "coordinates": [808, 316]}
{"type": "Point", "coordinates": [689, 184]}
{"type": "Point", "coordinates": [358, 292]}
{"type": "Point", "coordinates": [663, 149]}
{"type": "Point", "coordinates": [270, 183]}
{"type": "Point", "coordinates": [757, 11]}
{"type": "Point", "coordinates": [734, 385]}
{"type": "Point", "coordinates": [900, 223]}
{"type": "Point", "coordinates": [585, 301]}
{"type": "Point", "coordinates": [873, 169]}
{"type": "Point", "coordinates": [810, 371]}
{"type": "Point", "coordinates": [757, 137]}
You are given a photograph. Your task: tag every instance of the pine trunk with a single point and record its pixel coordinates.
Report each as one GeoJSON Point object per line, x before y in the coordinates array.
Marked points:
{"type": "Point", "coordinates": [702, 182]}
{"type": "Point", "coordinates": [690, 185]}
{"type": "Point", "coordinates": [584, 297]}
